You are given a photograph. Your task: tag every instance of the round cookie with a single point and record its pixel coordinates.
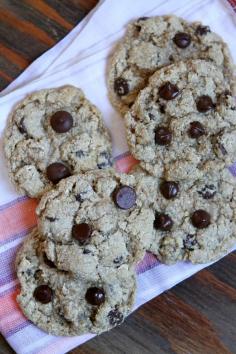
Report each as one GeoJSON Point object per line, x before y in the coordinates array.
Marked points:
{"type": "Point", "coordinates": [194, 220]}
{"type": "Point", "coordinates": [52, 134]}
{"type": "Point", "coordinates": [62, 304]}
{"type": "Point", "coordinates": [183, 118]}
{"type": "Point", "coordinates": [98, 218]}
{"type": "Point", "coordinates": [154, 42]}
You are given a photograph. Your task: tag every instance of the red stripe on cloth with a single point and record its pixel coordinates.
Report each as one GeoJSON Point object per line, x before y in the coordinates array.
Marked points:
{"type": "Point", "coordinates": [233, 4]}
{"type": "Point", "coordinates": [17, 218]}
{"type": "Point", "coordinates": [125, 164]}
{"type": "Point", "coordinates": [10, 314]}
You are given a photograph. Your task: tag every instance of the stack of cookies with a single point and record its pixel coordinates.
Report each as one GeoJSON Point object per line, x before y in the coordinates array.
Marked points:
{"type": "Point", "coordinates": [173, 82]}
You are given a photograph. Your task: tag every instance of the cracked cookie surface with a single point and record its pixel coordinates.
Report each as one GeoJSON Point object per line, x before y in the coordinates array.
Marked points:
{"type": "Point", "coordinates": [185, 117]}
{"type": "Point", "coordinates": [51, 134]}
{"type": "Point", "coordinates": [98, 218]}
{"type": "Point", "coordinates": [62, 304]}
{"type": "Point", "coordinates": [151, 43]}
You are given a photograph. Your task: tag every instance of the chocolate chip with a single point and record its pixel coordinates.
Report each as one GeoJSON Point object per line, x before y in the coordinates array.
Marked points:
{"type": "Point", "coordinates": [21, 127]}
{"type": "Point", "coordinates": [115, 317]}
{"type": "Point", "coordinates": [82, 233]}
{"type": "Point", "coordinates": [43, 294]}
{"type": "Point", "coordinates": [79, 198]}
{"type": "Point", "coordinates": [79, 153]}
{"type": "Point", "coordinates": [201, 30]}
{"type": "Point", "coordinates": [95, 296]}
{"type": "Point", "coordinates": [162, 108]}
{"type": "Point", "coordinates": [169, 189]}
{"type": "Point", "coordinates": [61, 121]}
{"type": "Point", "coordinates": [145, 18]}
{"type": "Point", "coordinates": [201, 219]}
{"type": "Point", "coordinates": [86, 251]}
{"type": "Point", "coordinates": [163, 136]}
{"type": "Point", "coordinates": [190, 242]}
{"type": "Point", "coordinates": [171, 58]}
{"type": "Point", "coordinates": [204, 103]}
{"type": "Point", "coordinates": [49, 218]}
{"type": "Point", "coordinates": [48, 262]}
{"type": "Point", "coordinates": [125, 197]}
{"type": "Point", "coordinates": [208, 191]}
{"type": "Point", "coordinates": [121, 86]}
{"type": "Point", "coordinates": [196, 130]}
{"type": "Point", "coordinates": [168, 91]}
{"type": "Point", "coordinates": [163, 222]}
{"type": "Point", "coordinates": [57, 171]}
{"type": "Point", "coordinates": [118, 260]}
{"type": "Point", "coordinates": [182, 40]}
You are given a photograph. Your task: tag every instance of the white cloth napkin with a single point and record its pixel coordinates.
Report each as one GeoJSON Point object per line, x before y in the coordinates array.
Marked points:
{"type": "Point", "coordinates": [81, 59]}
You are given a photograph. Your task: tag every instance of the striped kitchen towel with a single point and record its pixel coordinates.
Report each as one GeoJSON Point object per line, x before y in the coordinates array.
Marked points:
{"type": "Point", "coordinates": [83, 64]}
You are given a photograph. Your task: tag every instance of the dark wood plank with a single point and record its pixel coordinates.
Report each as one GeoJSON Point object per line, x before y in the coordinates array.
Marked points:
{"type": "Point", "coordinates": [195, 317]}
{"type": "Point", "coordinates": [29, 27]}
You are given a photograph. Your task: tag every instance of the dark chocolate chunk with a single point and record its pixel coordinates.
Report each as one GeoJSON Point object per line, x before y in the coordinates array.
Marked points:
{"type": "Point", "coordinates": [169, 189]}
{"type": "Point", "coordinates": [121, 86]}
{"type": "Point", "coordinates": [21, 127]}
{"type": "Point", "coordinates": [124, 197]}
{"type": "Point", "coordinates": [163, 136]}
{"type": "Point", "coordinates": [201, 30]}
{"type": "Point", "coordinates": [95, 296]}
{"type": "Point", "coordinates": [61, 121]}
{"type": "Point", "coordinates": [82, 233]}
{"type": "Point", "coordinates": [201, 219]}
{"type": "Point", "coordinates": [182, 40]}
{"type": "Point", "coordinates": [204, 103]}
{"type": "Point", "coordinates": [163, 222]}
{"type": "Point", "coordinates": [168, 91]}
{"type": "Point", "coordinates": [43, 294]}
{"type": "Point", "coordinates": [57, 171]}
{"type": "Point", "coordinates": [196, 130]}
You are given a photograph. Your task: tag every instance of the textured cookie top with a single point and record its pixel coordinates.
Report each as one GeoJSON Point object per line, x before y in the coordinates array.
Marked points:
{"type": "Point", "coordinates": [52, 134]}
{"type": "Point", "coordinates": [99, 218]}
{"type": "Point", "coordinates": [183, 118]}
{"type": "Point", "coordinates": [62, 304]}
{"type": "Point", "coordinates": [151, 43]}
{"type": "Point", "coordinates": [194, 220]}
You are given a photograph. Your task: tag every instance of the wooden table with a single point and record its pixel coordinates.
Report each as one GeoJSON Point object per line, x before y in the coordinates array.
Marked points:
{"type": "Point", "coordinates": [197, 316]}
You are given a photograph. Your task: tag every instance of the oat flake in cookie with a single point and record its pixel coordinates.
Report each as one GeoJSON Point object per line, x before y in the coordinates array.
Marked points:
{"type": "Point", "coordinates": [62, 304]}
{"type": "Point", "coordinates": [183, 118]}
{"type": "Point", "coordinates": [100, 218]}
{"type": "Point", "coordinates": [151, 43]}
{"type": "Point", "coordinates": [51, 135]}
{"type": "Point", "coordinates": [195, 220]}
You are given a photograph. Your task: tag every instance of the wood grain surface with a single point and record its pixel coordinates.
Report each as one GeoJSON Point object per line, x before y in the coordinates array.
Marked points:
{"type": "Point", "coordinates": [196, 317]}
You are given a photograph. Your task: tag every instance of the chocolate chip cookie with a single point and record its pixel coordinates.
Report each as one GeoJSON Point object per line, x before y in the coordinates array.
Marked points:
{"type": "Point", "coordinates": [51, 135]}
{"type": "Point", "coordinates": [194, 220]}
{"type": "Point", "coordinates": [62, 304]}
{"type": "Point", "coordinates": [183, 118]}
{"type": "Point", "coordinates": [151, 43]}
{"type": "Point", "coordinates": [98, 218]}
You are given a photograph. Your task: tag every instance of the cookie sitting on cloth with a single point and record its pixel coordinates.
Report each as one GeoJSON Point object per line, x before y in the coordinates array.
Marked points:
{"type": "Point", "coordinates": [153, 42]}
{"type": "Point", "coordinates": [52, 134]}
